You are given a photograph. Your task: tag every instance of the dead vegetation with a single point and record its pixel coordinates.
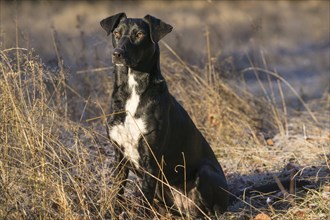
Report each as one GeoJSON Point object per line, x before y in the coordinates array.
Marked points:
{"type": "Point", "coordinates": [52, 167]}
{"type": "Point", "coordinates": [56, 165]}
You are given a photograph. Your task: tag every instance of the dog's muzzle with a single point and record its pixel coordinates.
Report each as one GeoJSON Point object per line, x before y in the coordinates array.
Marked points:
{"type": "Point", "coordinates": [118, 56]}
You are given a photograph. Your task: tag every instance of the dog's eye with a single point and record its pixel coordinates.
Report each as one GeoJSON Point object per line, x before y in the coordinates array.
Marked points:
{"type": "Point", "coordinates": [116, 34]}
{"type": "Point", "coordinates": [139, 35]}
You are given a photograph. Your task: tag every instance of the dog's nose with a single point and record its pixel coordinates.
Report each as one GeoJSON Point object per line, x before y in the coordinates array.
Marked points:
{"type": "Point", "coordinates": [118, 53]}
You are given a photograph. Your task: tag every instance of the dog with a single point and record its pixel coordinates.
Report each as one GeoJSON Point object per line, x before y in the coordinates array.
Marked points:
{"type": "Point", "coordinates": [154, 135]}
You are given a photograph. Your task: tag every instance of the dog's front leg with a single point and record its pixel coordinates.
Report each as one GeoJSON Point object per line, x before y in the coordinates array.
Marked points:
{"type": "Point", "coordinates": [148, 178]}
{"type": "Point", "coordinates": [148, 190]}
{"type": "Point", "coordinates": [148, 187]}
{"type": "Point", "coordinates": [120, 175]}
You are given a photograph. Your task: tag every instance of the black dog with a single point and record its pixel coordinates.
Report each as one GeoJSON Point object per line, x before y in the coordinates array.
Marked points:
{"type": "Point", "coordinates": [155, 136]}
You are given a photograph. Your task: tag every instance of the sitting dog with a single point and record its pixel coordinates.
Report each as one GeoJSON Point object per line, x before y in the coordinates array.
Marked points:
{"type": "Point", "coordinates": [153, 133]}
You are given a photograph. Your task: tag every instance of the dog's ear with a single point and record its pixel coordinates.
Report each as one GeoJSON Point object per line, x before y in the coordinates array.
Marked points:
{"type": "Point", "coordinates": [110, 23]}
{"type": "Point", "coordinates": [158, 28]}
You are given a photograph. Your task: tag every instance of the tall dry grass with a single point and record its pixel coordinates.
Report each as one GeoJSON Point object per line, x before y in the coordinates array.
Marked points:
{"type": "Point", "coordinates": [55, 165]}
{"type": "Point", "coordinates": [50, 167]}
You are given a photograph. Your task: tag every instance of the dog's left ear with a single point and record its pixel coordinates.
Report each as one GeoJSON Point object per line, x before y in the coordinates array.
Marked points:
{"type": "Point", "coordinates": [110, 23]}
{"type": "Point", "coordinates": [158, 28]}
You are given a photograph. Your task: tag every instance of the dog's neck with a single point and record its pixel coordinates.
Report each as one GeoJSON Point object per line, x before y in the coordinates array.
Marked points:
{"type": "Point", "coordinates": [145, 74]}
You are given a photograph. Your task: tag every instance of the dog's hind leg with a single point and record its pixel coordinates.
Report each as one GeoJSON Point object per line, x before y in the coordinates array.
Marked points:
{"type": "Point", "coordinates": [212, 187]}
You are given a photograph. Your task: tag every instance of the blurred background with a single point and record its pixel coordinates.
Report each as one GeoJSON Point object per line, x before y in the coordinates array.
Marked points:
{"type": "Point", "coordinates": [289, 37]}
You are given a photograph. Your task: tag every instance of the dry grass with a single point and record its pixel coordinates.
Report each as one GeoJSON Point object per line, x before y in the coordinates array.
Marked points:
{"type": "Point", "coordinates": [55, 165]}
{"type": "Point", "coordinates": [52, 167]}
{"type": "Point", "coordinates": [47, 169]}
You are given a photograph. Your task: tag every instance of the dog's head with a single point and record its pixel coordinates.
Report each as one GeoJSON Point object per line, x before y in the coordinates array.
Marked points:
{"type": "Point", "coordinates": [134, 40]}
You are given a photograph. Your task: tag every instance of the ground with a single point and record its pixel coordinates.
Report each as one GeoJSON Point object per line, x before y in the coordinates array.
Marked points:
{"type": "Point", "coordinates": [254, 77]}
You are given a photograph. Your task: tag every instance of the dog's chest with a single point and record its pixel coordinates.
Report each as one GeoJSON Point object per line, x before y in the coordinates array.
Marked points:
{"type": "Point", "coordinates": [128, 133]}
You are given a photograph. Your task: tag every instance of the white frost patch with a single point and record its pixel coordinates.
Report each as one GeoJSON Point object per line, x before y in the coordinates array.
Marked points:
{"type": "Point", "coordinates": [128, 133]}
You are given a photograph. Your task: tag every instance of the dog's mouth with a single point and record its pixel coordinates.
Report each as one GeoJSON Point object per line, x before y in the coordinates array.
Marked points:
{"type": "Point", "coordinates": [123, 62]}
{"type": "Point", "coordinates": [118, 61]}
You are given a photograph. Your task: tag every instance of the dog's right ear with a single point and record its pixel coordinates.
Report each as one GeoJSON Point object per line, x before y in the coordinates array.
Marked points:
{"type": "Point", "coordinates": [110, 23]}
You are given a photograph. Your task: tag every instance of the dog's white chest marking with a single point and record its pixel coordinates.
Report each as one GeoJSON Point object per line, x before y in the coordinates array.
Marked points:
{"type": "Point", "coordinates": [128, 133]}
